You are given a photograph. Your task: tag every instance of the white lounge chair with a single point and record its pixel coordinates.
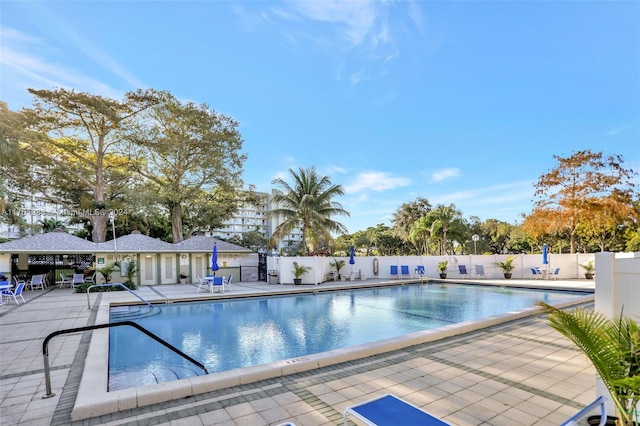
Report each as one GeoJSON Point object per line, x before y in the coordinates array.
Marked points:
{"type": "Point", "coordinates": [389, 410]}
{"type": "Point", "coordinates": [37, 281]}
{"type": "Point", "coordinates": [202, 283]}
{"type": "Point", "coordinates": [77, 280]}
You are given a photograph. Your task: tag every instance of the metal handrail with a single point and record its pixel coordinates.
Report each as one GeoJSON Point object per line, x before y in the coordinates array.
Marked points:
{"type": "Point", "coordinates": [112, 285]}
{"type": "Point", "coordinates": [45, 347]}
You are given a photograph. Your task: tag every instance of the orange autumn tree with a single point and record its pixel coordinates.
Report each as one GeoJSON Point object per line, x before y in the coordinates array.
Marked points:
{"type": "Point", "coordinates": [585, 194]}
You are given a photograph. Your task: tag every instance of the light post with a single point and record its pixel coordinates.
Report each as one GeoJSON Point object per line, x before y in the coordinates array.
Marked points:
{"type": "Point", "coordinates": [475, 239]}
{"type": "Point", "coordinates": [112, 217]}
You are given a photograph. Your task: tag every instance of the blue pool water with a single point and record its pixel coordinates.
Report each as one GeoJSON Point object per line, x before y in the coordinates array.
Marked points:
{"type": "Point", "coordinates": [238, 333]}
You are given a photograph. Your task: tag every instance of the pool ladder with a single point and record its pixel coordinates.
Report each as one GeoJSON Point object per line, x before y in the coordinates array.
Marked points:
{"type": "Point", "coordinates": [45, 347]}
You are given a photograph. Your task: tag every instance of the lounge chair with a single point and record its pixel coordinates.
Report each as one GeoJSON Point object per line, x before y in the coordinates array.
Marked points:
{"type": "Point", "coordinates": [536, 272]}
{"type": "Point", "coordinates": [421, 273]}
{"type": "Point", "coordinates": [77, 280]}
{"type": "Point", "coordinates": [554, 275]}
{"type": "Point", "coordinates": [480, 271]}
{"type": "Point", "coordinates": [389, 410]}
{"type": "Point", "coordinates": [217, 282]}
{"type": "Point", "coordinates": [404, 270]}
{"type": "Point", "coordinates": [202, 283]}
{"type": "Point", "coordinates": [393, 271]}
{"type": "Point", "coordinates": [90, 279]}
{"type": "Point", "coordinates": [37, 281]}
{"type": "Point", "coordinates": [14, 293]}
{"type": "Point", "coordinates": [63, 280]}
{"type": "Point", "coordinates": [227, 282]}
{"type": "Point", "coordinates": [587, 411]}
{"type": "Point", "coordinates": [463, 271]}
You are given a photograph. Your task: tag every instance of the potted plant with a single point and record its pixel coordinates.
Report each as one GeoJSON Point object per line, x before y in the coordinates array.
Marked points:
{"type": "Point", "coordinates": [338, 264]}
{"type": "Point", "coordinates": [507, 266]}
{"type": "Point", "coordinates": [442, 268]}
{"type": "Point", "coordinates": [589, 269]}
{"type": "Point", "coordinates": [612, 346]}
{"type": "Point", "coordinates": [183, 278]}
{"type": "Point", "coordinates": [299, 271]}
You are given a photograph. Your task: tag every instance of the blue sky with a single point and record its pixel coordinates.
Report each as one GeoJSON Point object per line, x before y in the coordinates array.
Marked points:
{"type": "Point", "coordinates": [457, 102]}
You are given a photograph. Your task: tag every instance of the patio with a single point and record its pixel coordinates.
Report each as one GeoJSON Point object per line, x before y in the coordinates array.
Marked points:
{"type": "Point", "coordinates": [518, 373]}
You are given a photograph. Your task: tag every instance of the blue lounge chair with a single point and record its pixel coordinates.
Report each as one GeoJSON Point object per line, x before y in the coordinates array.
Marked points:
{"type": "Point", "coordinates": [8, 293]}
{"type": "Point", "coordinates": [217, 282]}
{"type": "Point", "coordinates": [421, 273]}
{"type": "Point", "coordinates": [463, 271]}
{"type": "Point", "coordinates": [554, 274]}
{"type": "Point", "coordinates": [536, 272]}
{"type": "Point", "coordinates": [587, 411]}
{"type": "Point", "coordinates": [394, 271]}
{"type": "Point", "coordinates": [480, 271]}
{"type": "Point", "coordinates": [404, 270]}
{"type": "Point", "coordinates": [389, 410]}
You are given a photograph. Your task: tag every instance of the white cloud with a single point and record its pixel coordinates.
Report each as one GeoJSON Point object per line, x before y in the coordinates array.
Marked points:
{"type": "Point", "coordinates": [354, 20]}
{"type": "Point", "coordinates": [376, 181]}
{"type": "Point", "coordinates": [444, 174]}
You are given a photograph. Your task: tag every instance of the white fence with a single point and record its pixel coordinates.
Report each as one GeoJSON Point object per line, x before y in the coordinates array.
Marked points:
{"type": "Point", "coordinates": [569, 265]}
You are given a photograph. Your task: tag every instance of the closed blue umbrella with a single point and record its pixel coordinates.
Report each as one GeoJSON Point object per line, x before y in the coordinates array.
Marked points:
{"type": "Point", "coordinates": [352, 260]}
{"type": "Point", "coordinates": [214, 259]}
{"type": "Point", "coordinates": [545, 254]}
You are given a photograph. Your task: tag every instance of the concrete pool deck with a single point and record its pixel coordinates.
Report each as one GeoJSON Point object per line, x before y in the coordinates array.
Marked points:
{"type": "Point", "coordinates": [518, 373]}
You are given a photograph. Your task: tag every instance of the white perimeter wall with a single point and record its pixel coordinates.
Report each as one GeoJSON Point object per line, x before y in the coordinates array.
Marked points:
{"type": "Point", "coordinates": [569, 265]}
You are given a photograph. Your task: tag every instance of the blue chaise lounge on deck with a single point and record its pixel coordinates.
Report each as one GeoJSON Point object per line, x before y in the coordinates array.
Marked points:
{"type": "Point", "coordinates": [393, 271]}
{"type": "Point", "coordinates": [389, 410]}
{"type": "Point", "coordinates": [404, 271]}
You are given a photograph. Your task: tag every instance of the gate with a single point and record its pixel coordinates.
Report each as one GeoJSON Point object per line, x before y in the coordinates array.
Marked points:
{"type": "Point", "coordinates": [262, 267]}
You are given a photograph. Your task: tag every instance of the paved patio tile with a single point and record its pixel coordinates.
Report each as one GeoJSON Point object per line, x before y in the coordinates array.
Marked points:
{"type": "Point", "coordinates": [519, 373]}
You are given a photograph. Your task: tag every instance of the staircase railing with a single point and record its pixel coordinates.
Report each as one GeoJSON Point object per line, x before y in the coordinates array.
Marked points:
{"type": "Point", "coordinates": [45, 347]}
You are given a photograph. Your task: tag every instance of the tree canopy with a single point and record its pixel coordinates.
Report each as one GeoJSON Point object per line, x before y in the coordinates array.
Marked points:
{"type": "Point", "coordinates": [188, 156]}
{"type": "Point", "coordinates": [309, 203]}
{"type": "Point", "coordinates": [585, 193]}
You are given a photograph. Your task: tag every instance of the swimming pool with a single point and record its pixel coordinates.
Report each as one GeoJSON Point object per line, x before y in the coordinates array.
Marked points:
{"type": "Point", "coordinates": [240, 333]}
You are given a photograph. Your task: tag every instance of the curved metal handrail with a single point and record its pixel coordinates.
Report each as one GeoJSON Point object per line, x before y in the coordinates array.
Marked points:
{"type": "Point", "coordinates": [113, 285]}
{"type": "Point", "coordinates": [45, 347]}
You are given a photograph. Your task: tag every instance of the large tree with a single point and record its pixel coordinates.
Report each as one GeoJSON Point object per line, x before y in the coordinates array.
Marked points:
{"type": "Point", "coordinates": [404, 218]}
{"type": "Point", "coordinates": [71, 145]}
{"type": "Point", "coordinates": [308, 203]}
{"type": "Point", "coordinates": [585, 189]}
{"type": "Point", "coordinates": [190, 160]}
{"type": "Point", "coordinates": [446, 224]}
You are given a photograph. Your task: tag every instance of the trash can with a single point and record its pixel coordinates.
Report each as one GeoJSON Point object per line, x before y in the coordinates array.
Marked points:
{"type": "Point", "coordinates": [273, 277]}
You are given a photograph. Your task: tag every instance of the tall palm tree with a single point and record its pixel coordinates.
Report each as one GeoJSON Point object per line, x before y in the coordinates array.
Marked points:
{"type": "Point", "coordinates": [308, 204]}
{"type": "Point", "coordinates": [443, 218]}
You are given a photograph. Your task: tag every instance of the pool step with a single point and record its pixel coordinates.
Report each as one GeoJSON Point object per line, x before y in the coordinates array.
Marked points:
{"type": "Point", "coordinates": [149, 376]}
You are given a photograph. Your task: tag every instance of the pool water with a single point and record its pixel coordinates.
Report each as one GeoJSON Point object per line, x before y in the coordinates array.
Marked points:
{"type": "Point", "coordinates": [229, 334]}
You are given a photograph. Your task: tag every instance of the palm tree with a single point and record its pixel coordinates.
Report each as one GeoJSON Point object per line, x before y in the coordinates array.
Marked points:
{"type": "Point", "coordinates": [420, 235]}
{"type": "Point", "coordinates": [613, 347]}
{"type": "Point", "coordinates": [442, 219]}
{"type": "Point", "coordinates": [308, 203]}
{"type": "Point", "coordinates": [50, 224]}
